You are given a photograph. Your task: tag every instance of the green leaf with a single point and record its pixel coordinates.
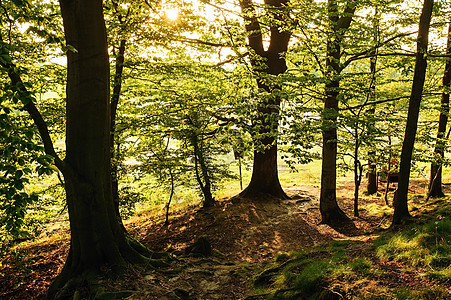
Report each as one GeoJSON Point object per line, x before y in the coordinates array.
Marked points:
{"type": "Point", "coordinates": [18, 174]}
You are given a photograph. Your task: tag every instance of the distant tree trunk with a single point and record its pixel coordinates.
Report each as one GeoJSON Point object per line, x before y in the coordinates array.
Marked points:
{"type": "Point", "coordinates": [171, 176]}
{"type": "Point", "coordinates": [387, 186]}
{"type": "Point", "coordinates": [435, 183]}
{"type": "Point", "coordinates": [204, 179]}
{"type": "Point", "coordinates": [117, 87]}
{"type": "Point", "coordinates": [358, 169]}
{"type": "Point", "coordinates": [400, 201]}
{"type": "Point", "coordinates": [372, 173]}
{"type": "Point", "coordinates": [330, 211]}
{"type": "Point", "coordinates": [372, 178]}
{"type": "Point", "coordinates": [265, 178]}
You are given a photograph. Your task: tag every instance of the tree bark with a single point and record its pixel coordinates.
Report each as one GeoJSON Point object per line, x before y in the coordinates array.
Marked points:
{"type": "Point", "coordinates": [435, 183]}
{"type": "Point", "coordinates": [330, 211]}
{"type": "Point", "coordinates": [400, 201]}
{"type": "Point", "coordinates": [265, 178]}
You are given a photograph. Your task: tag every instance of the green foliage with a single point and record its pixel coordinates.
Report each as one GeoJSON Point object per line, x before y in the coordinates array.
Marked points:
{"type": "Point", "coordinates": [26, 33]}
{"type": "Point", "coordinates": [20, 156]}
{"type": "Point", "coordinates": [171, 128]}
{"type": "Point", "coordinates": [128, 198]}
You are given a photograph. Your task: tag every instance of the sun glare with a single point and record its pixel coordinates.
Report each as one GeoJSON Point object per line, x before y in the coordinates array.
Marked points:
{"type": "Point", "coordinates": [171, 14]}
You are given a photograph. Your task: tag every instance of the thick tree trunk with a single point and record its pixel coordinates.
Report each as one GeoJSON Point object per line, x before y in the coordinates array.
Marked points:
{"type": "Point", "coordinates": [330, 211]}
{"type": "Point", "coordinates": [400, 201]}
{"type": "Point", "coordinates": [265, 178]}
{"type": "Point", "coordinates": [97, 238]}
{"type": "Point", "coordinates": [435, 184]}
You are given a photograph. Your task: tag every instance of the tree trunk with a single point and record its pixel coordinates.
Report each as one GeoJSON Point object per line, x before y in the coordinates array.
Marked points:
{"type": "Point", "coordinates": [98, 241]}
{"type": "Point", "coordinates": [171, 176]}
{"type": "Point", "coordinates": [330, 211]}
{"type": "Point", "coordinates": [387, 186]}
{"type": "Point", "coordinates": [435, 184]}
{"type": "Point", "coordinates": [400, 201]}
{"type": "Point", "coordinates": [357, 170]}
{"type": "Point", "coordinates": [265, 178]}
{"type": "Point", "coordinates": [372, 176]}
{"type": "Point", "coordinates": [117, 87]}
{"type": "Point", "coordinates": [372, 173]}
{"type": "Point", "coordinates": [199, 161]}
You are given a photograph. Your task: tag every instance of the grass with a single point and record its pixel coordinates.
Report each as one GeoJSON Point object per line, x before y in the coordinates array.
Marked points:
{"type": "Point", "coordinates": [377, 210]}
{"type": "Point", "coordinates": [424, 246]}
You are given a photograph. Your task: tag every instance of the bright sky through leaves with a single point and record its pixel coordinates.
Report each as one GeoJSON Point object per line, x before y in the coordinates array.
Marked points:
{"type": "Point", "coordinates": [171, 13]}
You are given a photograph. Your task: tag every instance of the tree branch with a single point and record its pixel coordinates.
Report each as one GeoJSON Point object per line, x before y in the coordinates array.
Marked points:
{"type": "Point", "coordinates": [345, 20]}
{"type": "Point", "coordinates": [198, 41]}
{"type": "Point", "coordinates": [383, 101]}
{"type": "Point", "coordinates": [279, 38]}
{"type": "Point", "coordinates": [367, 53]}
{"type": "Point", "coordinates": [232, 59]}
{"type": "Point", "coordinates": [252, 27]}
{"type": "Point", "coordinates": [38, 120]}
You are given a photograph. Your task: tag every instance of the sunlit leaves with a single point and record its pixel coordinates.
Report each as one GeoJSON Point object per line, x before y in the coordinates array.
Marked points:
{"type": "Point", "coordinates": [18, 150]}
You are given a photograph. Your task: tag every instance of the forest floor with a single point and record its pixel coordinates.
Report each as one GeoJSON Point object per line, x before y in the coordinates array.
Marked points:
{"type": "Point", "coordinates": [247, 237]}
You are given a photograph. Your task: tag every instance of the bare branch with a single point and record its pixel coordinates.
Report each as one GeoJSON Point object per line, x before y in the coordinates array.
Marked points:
{"type": "Point", "coordinates": [370, 52]}
{"type": "Point", "coordinates": [198, 41]}
{"type": "Point", "coordinates": [232, 59]}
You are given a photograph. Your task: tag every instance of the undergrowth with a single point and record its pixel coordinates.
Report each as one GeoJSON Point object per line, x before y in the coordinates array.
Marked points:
{"type": "Point", "coordinates": [337, 271]}
{"type": "Point", "coordinates": [425, 244]}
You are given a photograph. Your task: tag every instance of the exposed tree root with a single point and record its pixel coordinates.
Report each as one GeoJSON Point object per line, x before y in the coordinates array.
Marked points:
{"type": "Point", "coordinates": [265, 276]}
{"type": "Point", "coordinates": [86, 284]}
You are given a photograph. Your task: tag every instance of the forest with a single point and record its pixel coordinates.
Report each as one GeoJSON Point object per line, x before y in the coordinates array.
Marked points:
{"type": "Point", "coordinates": [219, 149]}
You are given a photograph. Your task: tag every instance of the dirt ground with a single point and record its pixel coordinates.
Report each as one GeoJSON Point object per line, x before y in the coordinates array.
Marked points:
{"type": "Point", "coordinates": [243, 235]}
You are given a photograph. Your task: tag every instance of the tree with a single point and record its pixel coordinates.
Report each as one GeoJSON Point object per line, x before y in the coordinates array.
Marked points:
{"type": "Point", "coordinates": [372, 172]}
{"type": "Point", "coordinates": [266, 63]}
{"type": "Point", "coordinates": [114, 102]}
{"type": "Point", "coordinates": [400, 201]}
{"type": "Point", "coordinates": [98, 242]}
{"type": "Point", "coordinates": [330, 211]}
{"type": "Point", "coordinates": [435, 181]}
{"type": "Point", "coordinates": [195, 133]}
